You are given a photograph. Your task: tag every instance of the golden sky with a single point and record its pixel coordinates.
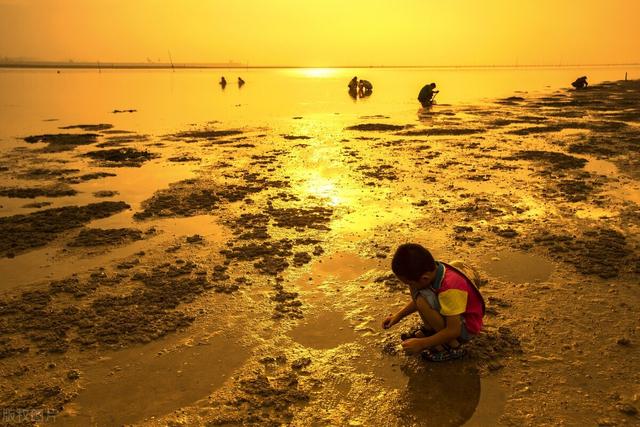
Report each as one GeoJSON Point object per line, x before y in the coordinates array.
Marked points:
{"type": "Point", "coordinates": [321, 33]}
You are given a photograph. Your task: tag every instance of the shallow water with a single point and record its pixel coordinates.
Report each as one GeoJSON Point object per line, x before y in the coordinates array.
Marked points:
{"type": "Point", "coordinates": [603, 167]}
{"type": "Point", "coordinates": [156, 379]}
{"type": "Point", "coordinates": [519, 267]}
{"type": "Point", "coordinates": [51, 264]}
{"type": "Point", "coordinates": [166, 100]}
{"type": "Point", "coordinates": [325, 330]}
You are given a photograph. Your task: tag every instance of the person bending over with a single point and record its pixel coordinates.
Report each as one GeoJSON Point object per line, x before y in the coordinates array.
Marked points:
{"type": "Point", "coordinates": [426, 95]}
{"type": "Point", "coordinates": [580, 83]}
{"type": "Point", "coordinates": [449, 303]}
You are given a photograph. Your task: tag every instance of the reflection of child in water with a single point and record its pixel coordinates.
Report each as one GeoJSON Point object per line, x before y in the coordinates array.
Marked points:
{"type": "Point", "coordinates": [448, 302]}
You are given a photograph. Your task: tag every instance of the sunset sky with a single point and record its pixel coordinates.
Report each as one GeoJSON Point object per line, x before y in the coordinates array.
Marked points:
{"type": "Point", "coordinates": [322, 33]}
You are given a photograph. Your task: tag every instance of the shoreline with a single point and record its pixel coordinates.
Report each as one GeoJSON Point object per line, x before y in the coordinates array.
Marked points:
{"type": "Point", "coordinates": [125, 66]}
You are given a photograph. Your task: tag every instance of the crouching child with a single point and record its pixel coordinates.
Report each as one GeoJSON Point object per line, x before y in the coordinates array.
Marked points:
{"type": "Point", "coordinates": [448, 301]}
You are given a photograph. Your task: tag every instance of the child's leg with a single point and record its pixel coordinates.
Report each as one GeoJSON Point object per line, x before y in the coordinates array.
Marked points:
{"type": "Point", "coordinates": [437, 322]}
{"type": "Point", "coordinates": [432, 318]}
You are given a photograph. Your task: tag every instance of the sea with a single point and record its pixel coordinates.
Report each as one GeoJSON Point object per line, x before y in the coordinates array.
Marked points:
{"type": "Point", "coordinates": [165, 100]}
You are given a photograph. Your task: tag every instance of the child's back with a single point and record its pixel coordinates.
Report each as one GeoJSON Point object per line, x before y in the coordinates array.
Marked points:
{"type": "Point", "coordinates": [458, 295]}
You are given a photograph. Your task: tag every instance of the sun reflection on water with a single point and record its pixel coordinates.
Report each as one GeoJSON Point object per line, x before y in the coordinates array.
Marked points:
{"type": "Point", "coordinates": [318, 72]}
{"type": "Point", "coordinates": [323, 187]}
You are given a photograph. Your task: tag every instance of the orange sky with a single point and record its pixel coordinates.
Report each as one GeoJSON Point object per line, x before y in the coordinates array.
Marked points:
{"type": "Point", "coordinates": [324, 32]}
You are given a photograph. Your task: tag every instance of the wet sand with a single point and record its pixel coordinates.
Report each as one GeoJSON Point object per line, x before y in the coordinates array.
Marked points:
{"type": "Point", "coordinates": [239, 276]}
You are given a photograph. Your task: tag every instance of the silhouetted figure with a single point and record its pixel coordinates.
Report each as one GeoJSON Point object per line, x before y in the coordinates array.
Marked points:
{"type": "Point", "coordinates": [223, 82]}
{"type": "Point", "coordinates": [427, 94]}
{"type": "Point", "coordinates": [353, 92]}
{"type": "Point", "coordinates": [353, 84]}
{"type": "Point", "coordinates": [365, 88]}
{"type": "Point", "coordinates": [580, 83]}
{"type": "Point", "coordinates": [240, 82]}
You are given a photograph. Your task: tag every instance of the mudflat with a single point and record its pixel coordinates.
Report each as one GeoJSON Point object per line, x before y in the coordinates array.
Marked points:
{"type": "Point", "coordinates": [240, 276]}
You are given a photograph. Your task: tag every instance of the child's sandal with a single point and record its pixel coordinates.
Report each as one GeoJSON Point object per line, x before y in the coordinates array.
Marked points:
{"type": "Point", "coordinates": [444, 355]}
{"type": "Point", "coordinates": [413, 334]}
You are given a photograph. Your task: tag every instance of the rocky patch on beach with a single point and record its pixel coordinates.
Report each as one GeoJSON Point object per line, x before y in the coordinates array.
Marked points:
{"type": "Point", "coordinates": [315, 217]}
{"type": "Point", "coordinates": [90, 127]}
{"type": "Point", "coordinates": [600, 252]}
{"type": "Point", "coordinates": [557, 127]}
{"type": "Point", "coordinates": [40, 403]}
{"type": "Point", "coordinates": [121, 139]}
{"type": "Point", "coordinates": [86, 177]}
{"type": "Point", "coordinates": [295, 137]}
{"type": "Point", "coordinates": [90, 237]}
{"type": "Point", "coordinates": [552, 159]}
{"type": "Point", "coordinates": [33, 192]}
{"type": "Point", "coordinates": [204, 135]}
{"type": "Point", "coordinates": [564, 174]}
{"type": "Point", "coordinates": [20, 233]}
{"type": "Point", "coordinates": [36, 205]}
{"type": "Point", "coordinates": [443, 131]}
{"type": "Point", "coordinates": [121, 157]}
{"type": "Point", "coordinates": [492, 346]}
{"type": "Point", "coordinates": [63, 141]}
{"type": "Point", "coordinates": [286, 303]}
{"type": "Point", "coordinates": [103, 194]}
{"type": "Point", "coordinates": [483, 208]}
{"type": "Point", "coordinates": [184, 158]}
{"type": "Point", "coordinates": [576, 189]}
{"type": "Point", "coordinates": [268, 395]}
{"type": "Point", "coordinates": [192, 197]}
{"type": "Point", "coordinates": [97, 317]}
{"type": "Point", "coordinates": [268, 257]}
{"type": "Point", "coordinates": [379, 172]}
{"type": "Point", "coordinates": [376, 127]}
{"type": "Point", "coordinates": [101, 310]}
{"type": "Point", "coordinates": [42, 173]}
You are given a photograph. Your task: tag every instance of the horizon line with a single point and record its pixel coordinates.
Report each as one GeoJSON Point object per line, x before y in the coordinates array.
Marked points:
{"type": "Point", "coordinates": [236, 65]}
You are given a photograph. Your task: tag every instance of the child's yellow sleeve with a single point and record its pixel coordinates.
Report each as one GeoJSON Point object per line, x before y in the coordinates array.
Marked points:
{"type": "Point", "coordinates": [452, 302]}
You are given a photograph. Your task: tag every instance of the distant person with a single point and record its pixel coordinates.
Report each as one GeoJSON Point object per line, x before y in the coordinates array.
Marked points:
{"type": "Point", "coordinates": [427, 94]}
{"type": "Point", "coordinates": [580, 83]}
{"type": "Point", "coordinates": [240, 81]}
{"type": "Point", "coordinates": [447, 300]}
{"type": "Point", "coordinates": [353, 84]}
{"type": "Point", "coordinates": [353, 88]}
{"type": "Point", "coordinates": [223, 82]}
{"type": "Point", "coordinates": [365, 87]}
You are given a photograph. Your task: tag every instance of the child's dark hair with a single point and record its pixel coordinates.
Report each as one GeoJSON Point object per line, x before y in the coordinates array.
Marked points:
{"type": "Point", "coordinates": [411, 261]}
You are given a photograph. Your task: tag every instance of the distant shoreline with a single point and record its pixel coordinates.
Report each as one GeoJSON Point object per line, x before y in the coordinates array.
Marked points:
{"type": "Point", "coordinates": [163, 66]}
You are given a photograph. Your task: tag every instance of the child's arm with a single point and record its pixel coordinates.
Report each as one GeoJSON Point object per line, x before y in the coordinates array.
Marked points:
{"type": "Point", "coordinates": [392, 319]}
{"type": "Point", "coordinates": [451, 331]}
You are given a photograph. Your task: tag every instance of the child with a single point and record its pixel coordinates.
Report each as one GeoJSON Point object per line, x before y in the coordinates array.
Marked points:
{"type": "Point", "coordinates": [448, 302]}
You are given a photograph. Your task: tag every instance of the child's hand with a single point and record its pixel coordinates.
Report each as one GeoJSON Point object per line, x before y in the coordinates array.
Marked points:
{"type": "Point", "coordinates": [388, 322]}
{"type": "Point", "coordinates": [412, 345]}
